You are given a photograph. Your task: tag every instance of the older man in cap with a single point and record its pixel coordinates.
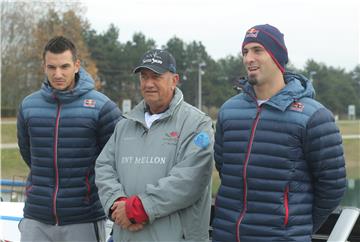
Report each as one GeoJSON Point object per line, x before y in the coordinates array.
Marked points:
{"type": "Point", "coordinates": [154, 173]}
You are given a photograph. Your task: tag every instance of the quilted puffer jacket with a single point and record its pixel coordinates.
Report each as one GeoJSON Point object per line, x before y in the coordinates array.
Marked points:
{"type": "Point", "coordinates": [60, 135]}
{"type": "Point", "coordinates": [281, 165]}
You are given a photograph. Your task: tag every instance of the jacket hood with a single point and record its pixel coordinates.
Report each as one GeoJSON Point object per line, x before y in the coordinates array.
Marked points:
{"type": "Point", "coordinates": [297, 87]}
{"type": "Point", "coordinates": [84, 84]}
{"type": "Point", "coordinates": [137, 113]}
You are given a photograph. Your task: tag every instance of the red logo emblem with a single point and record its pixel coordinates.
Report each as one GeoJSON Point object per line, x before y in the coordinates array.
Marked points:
{"type": "Point", "coordinates": [174, 134]}
{"type": "Point", "coordinates": [297, 106]}
{"type": "Point", "coordinates": [89, 103]}
{"type": "Point", "coordinates": [252, 33]}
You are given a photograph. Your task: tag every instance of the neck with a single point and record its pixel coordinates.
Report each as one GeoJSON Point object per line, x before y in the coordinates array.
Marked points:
{"type": "Point", "coordinates": [157, 110]}
{"type": "Point", "coordinates": [268, 89]}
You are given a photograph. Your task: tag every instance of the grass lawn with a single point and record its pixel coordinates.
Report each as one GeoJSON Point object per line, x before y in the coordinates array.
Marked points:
{"type": "Point", "coordinates": [12, 164]}
{"type": "Point", "coordinates": [352, 157]}
{"type": "Point", "coordinates": [349, 127]}
{"type": "Point", "coordinates": [8, 133]}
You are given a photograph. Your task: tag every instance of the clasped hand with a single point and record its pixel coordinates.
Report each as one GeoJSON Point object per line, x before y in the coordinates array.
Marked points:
{"type": "Point", "coordinates": [120, 218]}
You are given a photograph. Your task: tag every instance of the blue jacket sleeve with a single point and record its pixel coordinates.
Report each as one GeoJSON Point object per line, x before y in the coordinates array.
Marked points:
{"type": "Point", "coordinates": [325, 156]}
{"type": "Point", "coordinates": [218, 145]}
{"type": "Point", "coordinates": [109, 115]}
{"type": "Point", "coordinates": [23, 137]}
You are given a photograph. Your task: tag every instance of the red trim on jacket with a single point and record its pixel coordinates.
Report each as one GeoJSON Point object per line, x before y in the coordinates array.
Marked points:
{"type": "Point", "coordinates": [286, 205]}
{"type": "Point", "coordinates": [87, 186]}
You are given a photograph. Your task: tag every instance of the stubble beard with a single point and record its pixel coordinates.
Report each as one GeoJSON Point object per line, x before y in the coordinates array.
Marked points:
{"type": "Point", "coordinates": [252, 80]}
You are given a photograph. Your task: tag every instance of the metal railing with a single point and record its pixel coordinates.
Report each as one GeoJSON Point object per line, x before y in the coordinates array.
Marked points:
{"type": "Point", "coordinates": [344, 225]}
{"type": "Point", "coordinates": [13, 189]}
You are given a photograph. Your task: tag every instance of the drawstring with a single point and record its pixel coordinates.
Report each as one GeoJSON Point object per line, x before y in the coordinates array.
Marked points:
{"type": "Point", "coordinates": [96, 228]}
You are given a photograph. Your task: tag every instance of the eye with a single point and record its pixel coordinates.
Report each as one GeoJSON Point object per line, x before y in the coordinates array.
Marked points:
{"type": "Point", "coordinates": [156, 76]}
{"type": "Point", "coordinates": [143, 77]}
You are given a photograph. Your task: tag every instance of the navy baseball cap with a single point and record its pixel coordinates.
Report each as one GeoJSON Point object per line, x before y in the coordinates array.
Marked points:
{"type": "Point", "coordinates": [159, 61]}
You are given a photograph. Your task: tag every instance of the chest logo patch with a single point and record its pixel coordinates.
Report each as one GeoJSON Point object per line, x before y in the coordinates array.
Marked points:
{"type": "Point", "coordinates": [89, 103]}
{"type": "Point", "coordinates": [202, 140]}
{"type": "Point", "coordinates": [171, 138]}
{"type": "Point", "coordinates": [173, 134]}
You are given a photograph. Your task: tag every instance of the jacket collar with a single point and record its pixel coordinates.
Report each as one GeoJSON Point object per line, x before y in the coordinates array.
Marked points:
{"type": "Point", "coordinates": [297, 86]}
{"type": "Point", "coordinates": [138, 112]}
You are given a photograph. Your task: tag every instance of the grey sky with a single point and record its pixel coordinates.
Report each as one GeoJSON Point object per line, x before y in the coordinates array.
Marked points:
{"type": "Point", "coordinates": [323, 30]}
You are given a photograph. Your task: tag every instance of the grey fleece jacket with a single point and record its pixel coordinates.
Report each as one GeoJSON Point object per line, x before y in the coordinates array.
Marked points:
{"type": "Point", "coordinates": [168, 167]}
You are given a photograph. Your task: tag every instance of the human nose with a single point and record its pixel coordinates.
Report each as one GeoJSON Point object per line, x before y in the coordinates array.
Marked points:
{"type": "Point", "coordinates": [248, 58]}
{"type": "Point", "coordinates": [148, 82]}
{"type": "Point", "coordinates": [57, 73]}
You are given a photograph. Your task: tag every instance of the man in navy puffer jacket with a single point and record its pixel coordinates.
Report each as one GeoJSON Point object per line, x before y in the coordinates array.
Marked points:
{"type": "Point", "coordinates": [278, 151]}
{"type": "Point", "coordinates": [62, 129]}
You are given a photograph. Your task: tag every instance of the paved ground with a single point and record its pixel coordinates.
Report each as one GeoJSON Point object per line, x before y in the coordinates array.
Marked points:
{"type": "Point", "coordinates": [8, 121]}
{"type": "Point", "coordinates": [9, 146]}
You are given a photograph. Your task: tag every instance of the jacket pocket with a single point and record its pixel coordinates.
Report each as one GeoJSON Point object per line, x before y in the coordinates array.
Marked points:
{"type": "Point", "coordinates": [286, 205]}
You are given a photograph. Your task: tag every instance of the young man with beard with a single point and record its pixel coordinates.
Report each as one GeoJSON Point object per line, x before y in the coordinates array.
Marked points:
{"type": "Point", "coordinates": [278, 151]}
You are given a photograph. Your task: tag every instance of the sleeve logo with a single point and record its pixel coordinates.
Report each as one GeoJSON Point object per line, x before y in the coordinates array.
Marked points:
{"type": "Point", "coordinates": [89, 103]}
{"type": "Point", "coordinates": [202, 140]}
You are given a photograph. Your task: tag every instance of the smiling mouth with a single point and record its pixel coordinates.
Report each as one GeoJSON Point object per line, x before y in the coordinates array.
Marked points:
{"type": "Point", "coordinates": [252, 68]}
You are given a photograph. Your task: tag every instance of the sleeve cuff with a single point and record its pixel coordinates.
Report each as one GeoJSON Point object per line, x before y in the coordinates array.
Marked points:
{"type": "Point", "coordinates": [135, 210]}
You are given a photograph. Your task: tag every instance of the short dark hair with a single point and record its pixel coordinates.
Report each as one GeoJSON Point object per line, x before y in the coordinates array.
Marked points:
{"type": "Point", "coordinates": [60, 44]}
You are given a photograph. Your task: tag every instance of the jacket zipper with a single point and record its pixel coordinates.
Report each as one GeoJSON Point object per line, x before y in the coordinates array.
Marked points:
{"type": "Point", "coordinates": [55, 162]}
{"type": "Point", "coordinates": [286, 205]}
{"type": "Point", "coordinates": [245, 170]}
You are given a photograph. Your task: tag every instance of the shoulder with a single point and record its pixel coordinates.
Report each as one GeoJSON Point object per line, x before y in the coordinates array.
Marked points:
{"type": "Point", "coordinates": [191, 113]}
{"type": "Point", "coordinates": [314, 109]}
{"type": "Point", "coordinates": [32, 99]}
{"type": "Point", "coordinates": [310, 105]}
{"type": "Point", "coordinates": [32, 96]}
{"type": "Point", "coordinates": [236, 101]}
{"type": "Point", "coordinates": [230, 109]}
{"type": "Point", "coordinates": [308, 113]}
{"type": "Point", "coordinates": [35, 105]}
{"type": "Point", "coordinates": [99, 98]}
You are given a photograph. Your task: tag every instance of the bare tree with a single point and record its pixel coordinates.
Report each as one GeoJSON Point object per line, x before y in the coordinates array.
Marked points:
{"type": "Point", "coordinates": [25, 28]}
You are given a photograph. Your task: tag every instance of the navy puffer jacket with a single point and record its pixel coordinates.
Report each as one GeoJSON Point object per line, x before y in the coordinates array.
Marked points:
{"type": "Point", "coordinates": [60, 135]}
{"type": "Point", "coordinates": [281, 165]}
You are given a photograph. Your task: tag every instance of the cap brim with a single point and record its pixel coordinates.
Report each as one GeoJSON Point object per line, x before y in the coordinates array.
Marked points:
{"type": "Point", "coordinates": [156, 69]}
